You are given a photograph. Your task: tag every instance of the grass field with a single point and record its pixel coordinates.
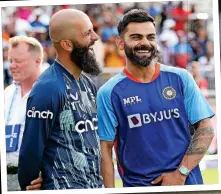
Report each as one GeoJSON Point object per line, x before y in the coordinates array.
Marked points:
{"type": "Point", "coordinates": [210, 177]}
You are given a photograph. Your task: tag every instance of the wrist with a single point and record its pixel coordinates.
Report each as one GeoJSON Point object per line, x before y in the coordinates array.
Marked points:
{"type": "Point", "coordinates": [183, 170]}
{"type": "Point", "coordinates": [181, 176]}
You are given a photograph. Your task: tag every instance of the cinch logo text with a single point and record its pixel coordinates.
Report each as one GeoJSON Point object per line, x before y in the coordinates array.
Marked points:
{"type": "Point", "coordinates": [85, 126]}
{"type": "Point", "coordinates": [37, 114]}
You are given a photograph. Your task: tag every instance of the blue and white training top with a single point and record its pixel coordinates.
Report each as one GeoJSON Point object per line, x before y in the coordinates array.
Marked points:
{"type": "Point", "coordinates": [148, 122]}
{"type": "Point", "coordinates": [60, 137]}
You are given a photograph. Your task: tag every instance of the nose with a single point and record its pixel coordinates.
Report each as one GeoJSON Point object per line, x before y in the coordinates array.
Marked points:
{"type": "Point", "coordinates": [95, 37]}
{"type": "Point", "coordinates": [13, 65]}
{"type": "Point", "coordinates": [146, 42]}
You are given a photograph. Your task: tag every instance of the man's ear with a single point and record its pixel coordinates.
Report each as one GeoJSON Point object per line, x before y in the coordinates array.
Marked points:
{"type": "Point", "coordinates": [120, 43]}
{"type": "Point", "coordinates": [67, 45]}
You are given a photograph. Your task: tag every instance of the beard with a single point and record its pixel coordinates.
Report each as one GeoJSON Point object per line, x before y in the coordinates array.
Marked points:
{"type": "Point", "coordinates": [86, 61]}
{"type": "Point", "coordinates": [142, 61]}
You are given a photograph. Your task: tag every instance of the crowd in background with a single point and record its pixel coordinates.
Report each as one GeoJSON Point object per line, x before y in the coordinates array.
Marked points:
{"type": "Point", "coordinates": [184, 35]}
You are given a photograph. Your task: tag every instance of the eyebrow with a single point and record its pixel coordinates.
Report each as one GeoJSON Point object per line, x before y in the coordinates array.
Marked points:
{"type": "Point", "coordinates": [152, 34]}
{"type": "Point", "coordinates": [91, 28]}
{"type": "Point", "coordinates": [86, 32]}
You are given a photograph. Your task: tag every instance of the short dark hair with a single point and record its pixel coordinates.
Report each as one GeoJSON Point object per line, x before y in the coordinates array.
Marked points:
{"type": "Point", "coordinates": [134, 15]}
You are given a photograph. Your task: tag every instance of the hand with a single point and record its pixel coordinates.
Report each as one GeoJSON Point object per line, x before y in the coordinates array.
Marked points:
{"type": "Point", "coordinates": [35, 184]}
{"type": "Point", "coordinates": [172, 178]}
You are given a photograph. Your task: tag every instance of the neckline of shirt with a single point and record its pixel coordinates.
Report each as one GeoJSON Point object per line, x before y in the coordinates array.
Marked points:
{"type": "Point", "coordinates": [59, 62]}
{"type": "Point", "coordinates": [133, 78]}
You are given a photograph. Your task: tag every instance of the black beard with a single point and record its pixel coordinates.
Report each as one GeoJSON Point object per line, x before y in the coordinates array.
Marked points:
{"type": "Point", "coordinates": [140, 61]}
{"type": "Point", "coordinates": [84, 60]}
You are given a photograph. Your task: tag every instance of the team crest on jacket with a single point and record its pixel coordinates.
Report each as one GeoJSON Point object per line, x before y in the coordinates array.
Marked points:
{"type": "Point", "coordinates": [169, 93]}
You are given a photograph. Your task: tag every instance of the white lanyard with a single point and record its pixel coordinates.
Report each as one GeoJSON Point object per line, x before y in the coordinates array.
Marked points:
{"type": "Point", "coordinates": [11, 107]}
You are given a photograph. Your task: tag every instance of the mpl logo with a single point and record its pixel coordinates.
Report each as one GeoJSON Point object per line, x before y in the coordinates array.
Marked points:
{"type": "Point", "coordinates": [37, 114]}
{"type": "Point", "coordinates": [134, 120]}
{"type": "Point", "coordinates": [132, 100]}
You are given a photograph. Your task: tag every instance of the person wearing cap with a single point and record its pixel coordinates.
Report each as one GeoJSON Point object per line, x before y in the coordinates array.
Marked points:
{"type": "Point", "coordinates": [165, 50]}
{"type": "Point", "coordinates": [25, 55]}
{"type": "Point", "coordinates": [60, 138]}
{"type": "Point", "coordinates": [144, 113]}
{"type": "Point", "coordinates": [169, 33]}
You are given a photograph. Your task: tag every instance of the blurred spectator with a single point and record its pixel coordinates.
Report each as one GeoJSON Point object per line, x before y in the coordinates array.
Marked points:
{"type": "Point", "coordinates": [182, 51]}
{"type": "Point", "coordinates": [166, 50]}
{"type": "Point", "coordinates": [163, 17]}
{"type": "Point", "coordinates": [180, 15]}
{"type": "Point", "coordinates": [39, 18]}
{"type": "Point", "coordinates": [113, 57]}
{"type": "Point", "coordinates": [169, 7]}
{"type": "Point", "coordinates": [41, 34]}
{"type": "Point", "coordinates": [109, 25]}
{"type": "Point", "coordinates": [154, 10]}
{"type": "Point", "coordinates": [119, 9]}
{"type": "Point", "coordinates": [194, 22]}
{"type": "Point", "coordinates": [51, 53]}
{"type": "Point", "coordinates": [24, 12]}
{"type": "Point", "coordinates": [45, 63]}
{"type": "Point", "coordinates": [201, 39]}
{"type": "Point", "coordinates": [207, 64]}
{"type": "Point", "coordinates": [6, 33]}
{"type": "Point", "coordinates": [6, 64]}
{"type": "Point", "coordinates": [169, 32]}
{"type": "Point", "coordinates": [200, 81]}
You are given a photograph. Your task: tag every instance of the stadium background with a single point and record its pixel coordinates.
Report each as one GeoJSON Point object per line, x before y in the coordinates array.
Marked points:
{"type": "Point", "coordinates": [196, 31]}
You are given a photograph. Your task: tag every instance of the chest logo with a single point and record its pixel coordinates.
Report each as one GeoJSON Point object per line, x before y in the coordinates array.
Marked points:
{"type": "Point", "coordinates": [132, 100]}
{"type": "Point", "coordinates": [169, 93]}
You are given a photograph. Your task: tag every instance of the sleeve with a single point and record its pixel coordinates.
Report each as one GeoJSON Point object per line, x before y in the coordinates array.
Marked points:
{"type": "Point", "coordinates": [196, 105]}
{"type": "Point", "coordinates": [41, 113]}
{"type": "Point", "coordinates": [107, 121]}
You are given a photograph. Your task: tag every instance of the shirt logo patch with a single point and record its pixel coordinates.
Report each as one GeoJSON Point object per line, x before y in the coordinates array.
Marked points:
{"type": "Point", "coordinates": [134, 120]}
{"type": "Point", "coordinates": [39, 114]}
{"type": "Point", "coordinates": [132, 100]}
{"type": "Point", "coordinates": [169, 93]}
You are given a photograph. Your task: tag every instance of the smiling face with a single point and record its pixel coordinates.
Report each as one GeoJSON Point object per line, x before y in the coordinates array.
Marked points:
{"type": "Point", "coordinates": [139, 43]}
{"type": "Point", "coordinates": [73, 37]}
{"type": "Point", "coordinates": [82, 52]}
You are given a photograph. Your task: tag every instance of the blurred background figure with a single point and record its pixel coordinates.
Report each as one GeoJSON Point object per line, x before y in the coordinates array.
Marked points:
{"type": "Point", "coordinates": [166, 50]}
{"type": "Point", "coordinates": [182, 51]}
{"type": "Point", "coordinates": [113, 57]}
{"type": "Point", "coordinates": [200, 81]}
{"type": "Point", "coordinates": [169, 33]}
{"type": "Point", "coordinates": [180, 15]}
{"type": "Point", "coordinates": [6, 64]}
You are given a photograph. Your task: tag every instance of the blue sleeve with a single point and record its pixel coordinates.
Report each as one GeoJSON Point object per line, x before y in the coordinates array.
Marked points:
{"type": "Point", "coordinates": [107, 121]}
{"type": "Point", "coordinates": [41, 113]}
{"type": "Point", "coordinates": [197, 107]}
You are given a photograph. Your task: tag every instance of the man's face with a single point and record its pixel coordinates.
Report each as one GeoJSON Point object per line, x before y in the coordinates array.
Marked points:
{"type": "Point", "coordinates": [23, 64]}
{"type": "Point", "coordinates": [140, 43]}
{"type": "Point", "coordinates": [83, 53]}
